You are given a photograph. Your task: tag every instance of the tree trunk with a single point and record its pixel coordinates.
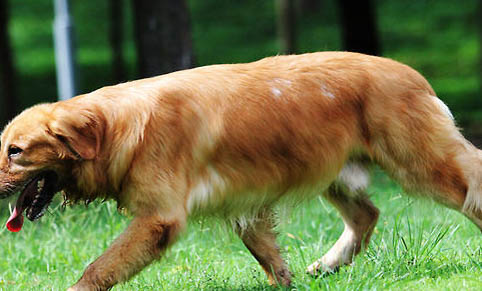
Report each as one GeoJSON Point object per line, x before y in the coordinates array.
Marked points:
{"type": "Point", "coordinates": [480, 46]}
{"type": "Point", "coordinates": [286, 26]}
{"type": "Point", "coordinates": [7, 70]}
{"type": "Point", "coordinates": [116, 33]}
{"type": "Point", "coordinates": [163, 36]}
{"type": "Point", "coordinates": [358, 19]}
{"type": "Point", "coordinates": [309, 6]}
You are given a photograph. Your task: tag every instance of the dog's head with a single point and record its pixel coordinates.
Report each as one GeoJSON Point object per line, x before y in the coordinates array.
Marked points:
{"type": "Point", "coordinates": [39, 152]}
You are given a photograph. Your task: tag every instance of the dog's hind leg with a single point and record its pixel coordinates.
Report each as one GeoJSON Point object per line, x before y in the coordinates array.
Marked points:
{"type": "Point", "coordinates": [359, 216]}
{"type": "Point", "coordinates": [421, 148]}
{"type": "Point", "coordinates": [260, 239]}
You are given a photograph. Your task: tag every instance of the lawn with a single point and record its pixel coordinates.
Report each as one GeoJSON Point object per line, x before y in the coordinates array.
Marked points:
{"type": "Point", "coordinates": [416, 245]}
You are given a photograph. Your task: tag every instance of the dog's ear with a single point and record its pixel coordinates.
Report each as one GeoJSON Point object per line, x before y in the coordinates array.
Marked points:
{"type": "Point", "coordinates": [81, 131]}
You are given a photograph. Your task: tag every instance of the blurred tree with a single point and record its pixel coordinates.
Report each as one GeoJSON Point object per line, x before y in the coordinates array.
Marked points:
{"type": "Point", "coordinates": [163, 36]}
{"type": "Point", "coordinates": [286, 26]}
{"type": "Point", "coordinates": [480, 44]}
{"type": "Point", "coordinates": [116, 38]}
{"type": "Point", "coordinates": [309, 6]}
{"type": "Point", "coordinates": [358, 19]}
{"type": "Point", "coordinates": [7, 70]}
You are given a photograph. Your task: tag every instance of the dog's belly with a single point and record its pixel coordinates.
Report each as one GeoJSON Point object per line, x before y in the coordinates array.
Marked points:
{"type": "Point", "coordinates": [215, 195]}
{"type": "Point", "coordinates": [243, 206]}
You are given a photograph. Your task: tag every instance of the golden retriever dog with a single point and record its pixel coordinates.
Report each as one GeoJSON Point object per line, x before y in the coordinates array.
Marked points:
{"type": "Point", "coordinates": [234, 141]}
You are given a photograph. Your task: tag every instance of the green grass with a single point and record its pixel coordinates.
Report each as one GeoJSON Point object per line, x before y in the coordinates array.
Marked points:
{"type": "Point", "coordinates": [416, 245]}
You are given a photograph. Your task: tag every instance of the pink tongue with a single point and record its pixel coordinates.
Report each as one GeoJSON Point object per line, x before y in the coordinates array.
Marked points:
{"type": "Point", "coordinates": [15, 222]}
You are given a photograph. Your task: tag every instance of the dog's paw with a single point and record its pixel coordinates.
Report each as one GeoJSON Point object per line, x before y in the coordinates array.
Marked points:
{"type": "Point", "coordinates": [318, 268]}
{"type": "Point", "coordinates": [78, 287]}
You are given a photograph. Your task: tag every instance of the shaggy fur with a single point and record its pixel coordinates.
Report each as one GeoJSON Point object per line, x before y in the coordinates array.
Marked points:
{"type": "Point", "coordinates": [234, 140]}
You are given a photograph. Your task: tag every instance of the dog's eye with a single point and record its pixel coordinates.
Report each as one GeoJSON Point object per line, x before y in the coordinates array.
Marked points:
{"type": "Point", "coordinates": [13, 151]}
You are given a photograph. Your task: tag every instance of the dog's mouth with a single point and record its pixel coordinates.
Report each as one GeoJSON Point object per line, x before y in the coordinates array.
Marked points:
{"type": "Point", "coordinates": [34, 199]}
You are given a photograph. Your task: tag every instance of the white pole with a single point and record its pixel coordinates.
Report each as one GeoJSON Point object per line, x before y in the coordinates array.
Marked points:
{"type": "Point", "coordinates": [64, 50]}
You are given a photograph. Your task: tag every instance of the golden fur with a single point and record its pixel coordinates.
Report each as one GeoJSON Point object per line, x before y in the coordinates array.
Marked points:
{"type": "Point", "coordinates": [233, 140]}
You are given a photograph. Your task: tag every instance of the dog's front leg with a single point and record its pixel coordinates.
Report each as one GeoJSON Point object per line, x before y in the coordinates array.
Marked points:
{"type": "Point", "coordinates": [141, 243]}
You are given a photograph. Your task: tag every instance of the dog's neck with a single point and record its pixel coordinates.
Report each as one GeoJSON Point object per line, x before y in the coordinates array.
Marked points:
{"type": "Point", "coordinates": [104, 176]}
